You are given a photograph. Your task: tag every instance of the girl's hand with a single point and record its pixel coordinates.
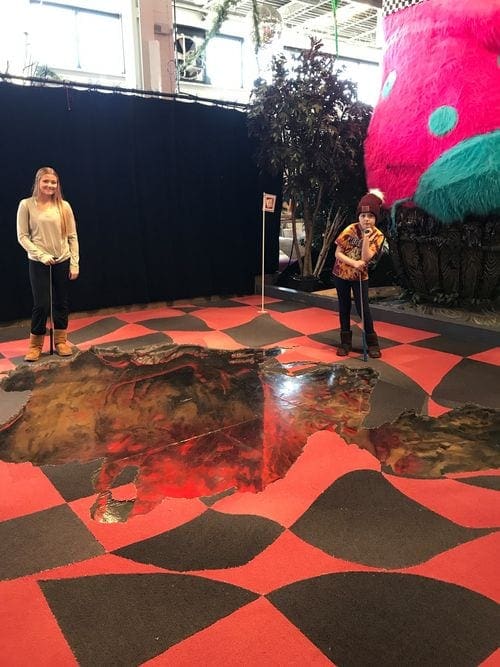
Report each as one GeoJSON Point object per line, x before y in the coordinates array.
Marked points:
{"type": "Point", "coordinates": [359, 264]}
{"type": "Point", "coordinates": [73, 275]}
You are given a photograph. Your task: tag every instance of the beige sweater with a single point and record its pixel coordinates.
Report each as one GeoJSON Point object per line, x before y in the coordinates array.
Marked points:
{"type": "Point", "coordinates": [39, 232]}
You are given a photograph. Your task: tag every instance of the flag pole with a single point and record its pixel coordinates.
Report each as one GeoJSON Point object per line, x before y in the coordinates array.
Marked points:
{"type": "Point", "coordinates": [263, 258]}
{"type": "Point", "coordinates": [268, 204]}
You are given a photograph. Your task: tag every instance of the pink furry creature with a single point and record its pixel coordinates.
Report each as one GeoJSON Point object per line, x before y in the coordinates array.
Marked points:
{"type": "Point", "coordinates": [434, 137]}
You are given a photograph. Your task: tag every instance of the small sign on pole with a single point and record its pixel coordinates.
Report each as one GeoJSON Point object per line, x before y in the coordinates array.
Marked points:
{"type": "Point", "coordinates": [268, 206]}
{"type": "Point", "coordinates": [268, 203]}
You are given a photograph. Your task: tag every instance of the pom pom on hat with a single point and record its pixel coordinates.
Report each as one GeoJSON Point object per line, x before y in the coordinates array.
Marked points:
{"type": "Point", "coordinates": [371, 203]}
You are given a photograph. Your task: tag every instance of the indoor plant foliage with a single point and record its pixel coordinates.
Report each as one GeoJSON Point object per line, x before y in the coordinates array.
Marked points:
{"type": "Point", "coordinates": [310, 127]}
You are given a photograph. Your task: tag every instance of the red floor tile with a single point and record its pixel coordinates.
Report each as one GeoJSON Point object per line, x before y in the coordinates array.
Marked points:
{"type": "Point", "coordinates": [325, 458]}
{"type": "Point", "coordinates": [488, 357]}
{"type": "Point", "coordinates": [287, 560]}
{"type": "Point", "coordinates": [76, 323]}
{"type": "Point", "coordinates": [255, 300]}
{"type": "Point", "coordinates": [303, 348]}
{"type": "Point", "coordinates": [226, 318]}
{"type": "Point", "coordinates": [257, 634]}
{"type": "Point", "coordinates": [25, 489]}
{"type": "Point", "coordinates": [402, 334]}
{"type": "Point", "coordinates": [473, 565]}
{"type": "Point", "coordinates": [426, 367]}
{"type": "Point", "coordinates": [6, 365]}
{"type": "Point", "coordinates": [18, 348]}
{"type": "Point", "coordinates": [150, 314]}
{"type": "Point", "coordinates": [434, 409]}
{"type": "Point", "coordinates": [467, 505]}
{"type": "Point", "coordinates": [124, 333]}
{"type": "Point", "coordinates": [172, 512]}
{"type": "Point", "coordinates": [309, 320]}
{"type": "Point", "coordinates": [216, 340]}
{"type": "Point", "coordinates": [30, 633]}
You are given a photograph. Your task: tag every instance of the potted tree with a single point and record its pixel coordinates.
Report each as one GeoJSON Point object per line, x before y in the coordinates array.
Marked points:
{"type": "Point", "coordinates": [310, 127]}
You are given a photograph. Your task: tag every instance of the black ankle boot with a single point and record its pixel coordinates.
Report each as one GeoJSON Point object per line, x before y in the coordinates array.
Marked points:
{"type": "Point", "coordinates": [373, 346]}
{"type": "Point", "coordinates": [345, 343]}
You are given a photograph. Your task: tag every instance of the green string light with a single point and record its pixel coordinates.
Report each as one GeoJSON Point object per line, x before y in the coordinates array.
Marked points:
{"type": "Point", "coordinates": [334, 10]}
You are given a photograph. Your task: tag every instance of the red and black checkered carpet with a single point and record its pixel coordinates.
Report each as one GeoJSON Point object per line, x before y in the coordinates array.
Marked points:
{"type": "Point", "coordinates": [342, 561]}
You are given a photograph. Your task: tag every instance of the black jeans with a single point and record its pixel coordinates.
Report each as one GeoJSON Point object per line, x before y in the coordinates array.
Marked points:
{"type": "Point", "coordinates": [40, 288]}
{"type": "Point", "coordinates": [344, 288]}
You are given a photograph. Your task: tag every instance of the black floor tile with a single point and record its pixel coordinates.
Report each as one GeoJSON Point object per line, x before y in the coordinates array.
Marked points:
{"type": "Point", "coordinates": [44, 540]}
{"type": "Point", "coordinates": [179, 323]}
{"type": "Point", "coordinates": [129, 619]}
{"type": "Point", "coordinates": [470, 382]}
{"type": "Point", "coordinates": [262, 330]}
{"type": "Point", "coordinates": [100, 328]}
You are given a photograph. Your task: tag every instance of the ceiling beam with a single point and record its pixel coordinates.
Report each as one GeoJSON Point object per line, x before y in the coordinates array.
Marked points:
{"type": "Point", "coordinates": [376, 4]}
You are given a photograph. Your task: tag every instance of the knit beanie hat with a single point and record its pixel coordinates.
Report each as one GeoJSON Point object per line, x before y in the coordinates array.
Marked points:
{"type": "Point", "coordinates": [371, 203]}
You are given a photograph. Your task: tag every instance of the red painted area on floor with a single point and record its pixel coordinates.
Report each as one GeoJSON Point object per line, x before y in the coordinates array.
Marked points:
{"type": "Point", "coordinates": [105, 564]}
{"type": "Point", "coordinates": [426, 367]}
{"type": "Point", "coordinates": [226, 318]}
{"type": "Point", "coordinates": [30, 634]}
{"type": "Point", "coordinates": [467, 505]}
{"type": "Point", "coordinates": [6, 365]}
{"type": "Point", "coordinates": [17, 348]}
{"type": "Point", "coordinates": [473, 565]}
{"type": "Point", "coordinates": [76, 323]}
{"type": "Point", "coordinates": [150, 314]}
{"type": "Point", "coordinates": [488, 357]}
{"type": "Point", "coordinates": [308, 320]}
{"type": "Point", "coordinates": [434, 409]}
{"type": "Point", "coordinates": [25, 489]}
{"type": "Point", "coordinates": [124, 333]}
{"type": "Point", "coordinates": [216, 340]}
{"type": "Point", "coordinates": [493, 660]}
{"type": "Point", "coordinates": [255, 300]}
{"type": "Point", "coordinates": [402, 334]}
{"type": "Point", "coordinates": [325, 458]}
{"type": "Point", "coordinates": [172, 512]}
{"type": "Point", "coordinates": [302, 347]}
{"type": "Point", "coordinates": [257, 634]}
{"type": "Point", "coordinates": [287, 560]}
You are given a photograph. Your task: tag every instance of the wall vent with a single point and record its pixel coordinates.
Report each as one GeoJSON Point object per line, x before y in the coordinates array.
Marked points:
{"type": "Point", "coordinates": [160, 29]}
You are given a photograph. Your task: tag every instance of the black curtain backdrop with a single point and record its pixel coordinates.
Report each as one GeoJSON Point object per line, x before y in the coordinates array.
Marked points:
{"type": "Point", "coordinates": [165, 193]}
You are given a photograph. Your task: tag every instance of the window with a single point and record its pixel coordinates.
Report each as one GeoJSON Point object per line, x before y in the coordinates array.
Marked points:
{"type": "Point", "coordinates": [364, 74]}
{"type": "Point", "coordinates": [187, 41]}
{"type": "Point", "coordinates": [220, 65]}
{"type": "Point", "coordinates": [73, 37]}
{"type": "Point", "coordinates": [224, 62]}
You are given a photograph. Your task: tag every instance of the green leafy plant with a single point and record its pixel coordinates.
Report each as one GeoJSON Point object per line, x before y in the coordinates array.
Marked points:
{"type": "Point", "coordinates": [310, 127]}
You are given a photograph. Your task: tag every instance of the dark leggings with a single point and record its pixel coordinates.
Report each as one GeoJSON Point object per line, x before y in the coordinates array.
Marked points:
{"type": "Point", "coordinates": [344, 288]}
{"type": "Point", "coordinates": [40, 288]}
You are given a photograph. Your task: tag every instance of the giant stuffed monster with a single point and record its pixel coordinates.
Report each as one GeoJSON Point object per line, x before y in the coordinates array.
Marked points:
{"type": "Point", "coordinates": [434, 138]}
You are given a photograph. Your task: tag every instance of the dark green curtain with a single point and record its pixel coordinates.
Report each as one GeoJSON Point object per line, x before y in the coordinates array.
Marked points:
{"type": "Point", "coordinates": [166, 195]}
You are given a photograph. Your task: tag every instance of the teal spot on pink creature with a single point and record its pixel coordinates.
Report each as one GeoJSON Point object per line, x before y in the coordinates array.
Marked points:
{"type": "Point", "coordinates": [443, 120]}
{"type": "Point", "coordinates": [389, 83]}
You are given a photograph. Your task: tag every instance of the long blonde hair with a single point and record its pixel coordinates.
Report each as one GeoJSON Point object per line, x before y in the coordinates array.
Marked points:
{"type": "Point", "coordinates": [58, 195]}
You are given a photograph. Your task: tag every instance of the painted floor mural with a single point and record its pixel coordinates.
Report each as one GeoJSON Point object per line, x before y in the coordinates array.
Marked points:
{"type": "Point", "coordinates": [204, 483]}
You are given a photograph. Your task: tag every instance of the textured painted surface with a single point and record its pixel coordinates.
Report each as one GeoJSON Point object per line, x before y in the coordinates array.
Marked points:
{"type": "Point", "coordinates": [191, 422]}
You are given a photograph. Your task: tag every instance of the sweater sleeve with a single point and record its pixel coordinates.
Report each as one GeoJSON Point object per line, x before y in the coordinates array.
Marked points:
{"type": "Point", "coordinates": [24, 235]}
{"type": "Point", "coordinates": [74, 248]}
